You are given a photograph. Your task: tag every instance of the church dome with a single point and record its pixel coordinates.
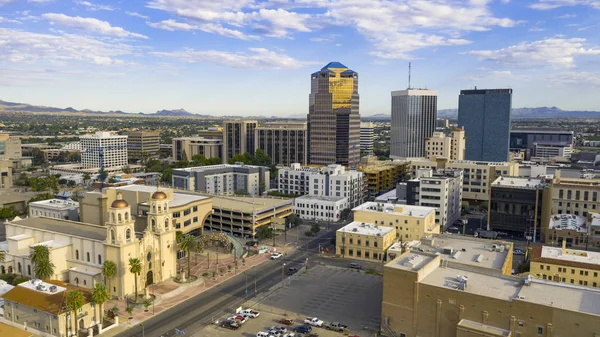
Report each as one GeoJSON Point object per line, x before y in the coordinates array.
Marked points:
{"type": "Point", "coordinates": [119, 204]}
{"type": "Point", "coordinates": [158, 195]}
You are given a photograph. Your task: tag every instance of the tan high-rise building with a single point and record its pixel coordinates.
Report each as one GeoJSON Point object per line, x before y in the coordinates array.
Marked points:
{"type": "Point", "coordinates": [333, 117]}
{"type": "Point", "coordinates": [6, 180]}
{"type": "Point", "coordinates": [451, 147]}
{"type": "Point", "coordinates": [187, 147]}
{"type": "Point", "coordinates": [10, 147]}
{"type": "Point", "coordinates": [285, 142]}
{"type": "Point", "coordinates": [142, 145]}
{"type": "Point", "coordinates": [238, 137]}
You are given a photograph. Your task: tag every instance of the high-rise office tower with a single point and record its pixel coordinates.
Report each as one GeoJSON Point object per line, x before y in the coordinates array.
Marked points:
{"type": "Point", "coordinates": [285, 142]}
{"type": "Point", "coordinates": [238, 137]}
{"type": "Point", "coordinates": [367, 138]}
{"type": "Point", "coordinates": [143, 145]}
{"type": "Point", "coordinates": [103, 149]}
{"type": "Point", "coordinates": [333, 117]}
{"type": "Point", "coordinates": [414, 115]}
{"type": "Point", "coordinates": [485, 116]}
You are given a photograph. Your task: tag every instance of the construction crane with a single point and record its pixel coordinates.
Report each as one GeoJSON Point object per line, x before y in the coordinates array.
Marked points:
{"type": "Point", "coordinates": [100, 150]}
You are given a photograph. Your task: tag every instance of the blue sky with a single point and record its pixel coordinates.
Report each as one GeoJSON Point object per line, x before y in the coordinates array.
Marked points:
{"type": "Point", "coordinates": [251, 57]}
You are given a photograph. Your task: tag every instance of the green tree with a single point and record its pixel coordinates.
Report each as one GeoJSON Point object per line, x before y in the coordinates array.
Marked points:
{"type": "Point", "coordinates": [261, 158]}
{"type": "Point", "coordinates": [293, 220]}
{"type": "Point", "coordinates": [8, 212]}
{"type": "Point", "coordinates": [127, 169]}
{"type": "Point", "coordinates": [135, 267]}
{"type": "Point", "coordinates": [109, 269]}
{"type": "Point", "coordinates": [100, 296]}
{"type": "Point", "coordinates": [264, 232]}
{"type": "Point", "coordinates": [167, 175]}
{"type": "Point", "coordinates": [213, 161]}
{"type": "Point", "coordinates": [199, 160]}
{"type": "Point", "coordinates": [2, 255]}
{"type": "Point", "coordinates": [75, 300]}
{"type": "Point", "coordinates": [240, 158]}
{"type": "Point", "coordinates": [178, 236]}
{"type": "Point", "coordinates": [261, 188]}
{"type": "Point", "coordinates": [86, 177]}
{"type": "Point", "coordinates": [189, 245]}
{"type": "Point", "coordinates": [43, 268]}
{"type": "Point", "coordinates": [315, 228]}
{"type": "Point", "coordinates": [43, 196]}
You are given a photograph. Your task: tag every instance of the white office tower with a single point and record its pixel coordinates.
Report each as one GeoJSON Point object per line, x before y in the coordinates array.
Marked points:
{"type": "Point", "coordinates": [414, 114]}
{"type": "Point", "coordinates": [103, 147]}
{"type": "Point", "coordinates": [367, 138]}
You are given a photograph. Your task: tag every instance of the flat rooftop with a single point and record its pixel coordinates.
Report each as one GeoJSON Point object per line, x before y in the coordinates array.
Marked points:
{"type": "Point", "coordinates": [572, 255]}
{"type": "Point", "coordinates": [249, 204]}
{"type": "Point", "coordinates": [404, 210]}
{"type": "Point", "coordinates": [81, 229]}
{"type": "Point", "coordinates": [320, 198]}
{"type": "Point", "coordinates": [209, 168]}
{"type": "Point", "coordinates": [357, 227]}
{"type": "Point", "coordinates": [569, 222]}
{"type": "Point", "coordinates": [530, 183]}
{"type": "Point", "coordinates": [411, 261]}
{"type": "Point", "coordinates": [52, 244]}
{"type": "Point", "coordinates": [56, 204]}
{"type": "Point", "coordinates": [468, 251]}
{"type": "Point", "coordinates": [562, 295]}
{"type": "Point", "coordinates": [479, 163]}
{"type": "Point", "coordinates": [179, 199]}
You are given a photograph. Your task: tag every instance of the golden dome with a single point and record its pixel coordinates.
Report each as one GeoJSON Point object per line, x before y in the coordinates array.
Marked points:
{"type": "Point", "coordinates": [119, 203]}
{"type": "Point", "coordinates": [159, 195]}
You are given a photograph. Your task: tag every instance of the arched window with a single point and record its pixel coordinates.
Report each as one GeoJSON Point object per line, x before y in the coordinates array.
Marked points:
{"type": "Point", "coordinates": [113, 217]}
{"type": "Point", "coordinates": [84, 282]}
{"type": "Point", "coordinates": [19, 269]}
{"type": "Point", "coordinates": [153, 222]}
{"type": "Point", "coordinates": [29, 269]}
{"type": "Point", "coordinates": [167, 223]}
{"type": "Point", "coordinates": [99, 259]}
{"type": "Point", "coordinates": [126, 215]}
{"type": "Point", "coordinates": [119, 218]}
{"type": "Point", "coordinates": [112, 236]}
{"type": "Point", "coordinates": [76, 254]}
{"type": "Point", "coordinates": [128, 235]}
{"type": "Point", "coordinates": [159, 208]}
{"type": "Point", "coordinates": [88, 256]}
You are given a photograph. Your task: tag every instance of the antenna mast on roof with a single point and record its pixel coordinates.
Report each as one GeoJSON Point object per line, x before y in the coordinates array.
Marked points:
{"type": "Point", "coordinates": [409, 74]}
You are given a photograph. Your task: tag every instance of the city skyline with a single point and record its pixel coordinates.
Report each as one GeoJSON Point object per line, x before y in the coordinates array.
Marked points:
{"type": "Point", "coordinates": [169, 54]}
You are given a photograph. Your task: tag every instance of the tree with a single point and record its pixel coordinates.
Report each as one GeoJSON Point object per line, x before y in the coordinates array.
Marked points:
{"type": "Point", "coordinates": [75, 300]}
{"type": "Point", "coordinates": [135, 267]}
{"type": "Point", "coordinates": [167, 175]}
{"type": "Point", "coordinates": [213, 161]}
{"type": "Point", "coordinates": [189, 244]}
{"type": "Point", "coordinates": [43, 268]}
{"type": "Point", "coordinates": [240, 158]}
{"type": "Point", "coordinates": [2, 255]}
{"type": "Point", "coordinates": [178, 236]}
{"type": "Point", "coordinates": [100, 296]}
{"type": "Point", "coordinates": [199, 160]}
{"type": "Point", "coordinates": [261, 158]}
{"type": "Point", "coordinates": [86, 177]}
{"type": "Point", "coordinates": [127, 169]}
{"type": "Point", "coordinates": [293, 220]}
{"type": "Point", "coordinates": [43, 196]}
{"type": "Point", "coordinates": [112, 180]}
{"type": "Point", "coordinates": [264, 232]}
{"type": "Point", "coordinates": [315, 228]}
{"type": "Point", "coordinates": [261, 188]}
{"type": "Point", "coordinates": [109, 269]}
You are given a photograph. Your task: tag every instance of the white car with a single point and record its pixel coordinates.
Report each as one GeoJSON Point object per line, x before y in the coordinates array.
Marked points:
{"type": "Point", "coordinates": [250, 313]}
{"type": "Point", "coordinates": [275, 256]}
{"type": "Point", "coordinates": [289, 334]}
{"type": "Point", "coordinates": [263, 334]}
{"type": "Point", "coordinates": [313, 321]}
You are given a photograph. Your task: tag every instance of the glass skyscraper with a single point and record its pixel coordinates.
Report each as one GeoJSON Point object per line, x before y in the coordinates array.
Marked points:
{"type": "Point", "coordinates": [333, 120]}
{"type": "Point", "coordinates": [414, 115]}
{"type": "Point", "coordinates": [485, 116]}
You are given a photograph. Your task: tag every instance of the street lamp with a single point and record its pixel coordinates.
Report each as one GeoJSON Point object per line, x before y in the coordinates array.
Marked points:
{"type": "Point", "coordinates": [143, 335]}
{"type": "Point", "coordinates": [282, 276]}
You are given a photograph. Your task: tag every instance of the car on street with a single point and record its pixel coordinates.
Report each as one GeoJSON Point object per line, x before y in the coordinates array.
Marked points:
{"type": "Point", "coordinates": [275, 256]}
{"type": "Point", "coordinates": [303, 328]}
{"type": "Point", "coordinates": [336, 326]}
{"type": "Point", "coordinates": [518, 251]}
{"type": "Point", "coordinates": [313, 321]}
{"type": "Point", "coordinates": [279, 329]}
{"type": "Point", "coordinates": [292, 270]}
{"type": "Point", "coordinates": [250, 313]}
{"type": "Point", "coordinates": [354, 265]}
{"type": "Point", "coordinates": [286, 321]}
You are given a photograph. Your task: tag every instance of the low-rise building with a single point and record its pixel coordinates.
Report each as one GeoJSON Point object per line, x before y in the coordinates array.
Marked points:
{"type": "Point", "coordinates": [55, 208]}
{"type": "Point", "coordinates": [382, 176]}
{"type": "Point", "coordinates": [187, 147]}
{"type": "Point", "coordinates": [573, 229]}
{"type": "Point", "coordinates": [427, 295]}
{"type": "Point", "coordinates": [332, 181]}
{"type": "Point", "coordinates": [320, 208]}
{"type": "Point", "coordinates": [364, 241]}
{"type": "Point", "coordinates": [6, 177]}
{"type": "Point", "coordinates": [242, 216]}
{"type": "Point", "coordinates": [41, 307]}
{"type": "Point", "coordinates": [561, 264]}
{"type": "Point", "coordinates": [441, 189]}
{"type": "Point", "coordinates": [410, 222]}
{"type": "Point", "coordinates": [190, 211]}
{"type": "Point", "coordinates": [223, 179]}
{"type": "Point", "coordinates": [451, 147]}
{"type": "Point", "coordinates": [520, 206]}
{"type": "Point", "coordinates": [577, 196]}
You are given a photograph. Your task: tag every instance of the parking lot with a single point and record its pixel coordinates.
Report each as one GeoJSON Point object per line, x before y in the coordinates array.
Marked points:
{"type": "Point", "coordinates": [332, 294]}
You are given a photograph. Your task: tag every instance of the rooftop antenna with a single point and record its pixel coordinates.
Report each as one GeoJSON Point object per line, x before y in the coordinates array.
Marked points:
{"type": "Point", "coordinates": [409, 66]}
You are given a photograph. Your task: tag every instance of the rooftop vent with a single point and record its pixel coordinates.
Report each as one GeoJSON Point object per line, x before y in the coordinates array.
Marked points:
{"type": "Point", "coordinates": [480, 258]}
{"type": "Point", "coordinates": [53, 289]}
{"type": "Point", "coordinates": [355, 229]}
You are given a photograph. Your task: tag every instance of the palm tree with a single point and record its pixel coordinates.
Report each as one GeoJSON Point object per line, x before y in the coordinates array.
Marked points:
{"type": "Point", "coordinates": [100, 296]}
{"type": "Point", "coordinates": [135, 267]}
{"type": "Point", "coordinates": [75, 300]}
{"type": "Point", "coordinates": [43, 268]}
{"type": "Point", "coordinates": [109, 269]}
{"type": "Point", "coordinates": [188, 244]}
{"type": "Point", "coordinates": [2, 255]}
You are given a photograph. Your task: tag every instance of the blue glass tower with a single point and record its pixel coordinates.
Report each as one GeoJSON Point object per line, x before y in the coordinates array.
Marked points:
{"type": "Point", "coordinates": [485, 116]}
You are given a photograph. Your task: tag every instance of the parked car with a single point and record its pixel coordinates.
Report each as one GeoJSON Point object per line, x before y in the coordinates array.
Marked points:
{"type": "Point", "coordinates": [518, 251]}
{"type": "Point", "coordinates": [250, 313]}
{"type": "Point", "coordinates": [303, 328]}
{"type": "Point", "coordinates": [354, 265]}
{"type": "Point", "coordinates": [280, 329]}
{"type": "Point", "coordinates": [232, 325]}
{"type": "Point", "coordinates": [313, 321]}
{"type": "Point", "coordinates": [275, 256]}
{"type": "Point", "coordinates": [286, 321]}
{"type": "Point", "coordinates": [337, 326]}
{"type": "Point", "coordinates": [292, 270]}
{"type": "Point", "coordinates": [238, 318]}
{"type": "Point", "coordinates": [263, 334]}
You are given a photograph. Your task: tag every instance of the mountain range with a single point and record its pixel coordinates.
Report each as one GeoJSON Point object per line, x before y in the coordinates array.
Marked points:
{"type": "Point", "coordinates": [539, 112]}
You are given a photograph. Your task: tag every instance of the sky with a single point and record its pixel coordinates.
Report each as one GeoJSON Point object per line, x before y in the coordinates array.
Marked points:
{"type": "Point", "coordinates": [255, 57]}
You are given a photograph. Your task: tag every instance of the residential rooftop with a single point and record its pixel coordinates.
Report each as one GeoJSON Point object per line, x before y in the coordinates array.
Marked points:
{"type": "Point", "coordinates": [569, 222]}
{"type": "Point", "coordinates": [566, 257]}
{"type": "Point", "coordinates": [403, 210]}
{"type": "Point", "coordinates": [357, 227]}
{"type": "Point", "coordinates": [519, 182]}
{"type": "Point", "coordinates": [57, 204]}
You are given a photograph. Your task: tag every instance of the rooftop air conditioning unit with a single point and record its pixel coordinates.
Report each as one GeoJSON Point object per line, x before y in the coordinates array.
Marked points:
{"type": "Point", "coordinates": [53, 289]}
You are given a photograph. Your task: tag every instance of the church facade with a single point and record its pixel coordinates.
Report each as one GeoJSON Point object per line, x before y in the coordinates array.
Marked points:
{"type": "Point", "coordinates": [78, 250]}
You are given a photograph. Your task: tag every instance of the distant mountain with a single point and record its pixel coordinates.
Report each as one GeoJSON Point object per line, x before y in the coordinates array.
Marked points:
{"type": "Point", "coordinates": [173, 113]}
{"type": "Point", "coordinates": [539, 112]}
{"type": "Point", "coordinates": [23, 107]}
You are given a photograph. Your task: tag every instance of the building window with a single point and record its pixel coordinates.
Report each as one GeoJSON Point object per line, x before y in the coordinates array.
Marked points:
{"type": "Point", "coordinates": [29, 269]}
{"type": "Point", "coordinates": [88, 256]}
{"type": "Point", "coordinates": [76, 254]}
{"type": "Point", "coordinates": [128, 234]}
{"type": "Point", "coordinates": [99, 259]}
{"type": "Point", "coordinates": [375, 244]}
{"type": "Point", "coordinates": [540, 331]}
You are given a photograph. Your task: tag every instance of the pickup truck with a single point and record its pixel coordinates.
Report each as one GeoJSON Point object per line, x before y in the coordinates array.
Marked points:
{"type": "Point", "coordinates": [336, 326]}
{"type": "Point", "coordinates": [313, 321]}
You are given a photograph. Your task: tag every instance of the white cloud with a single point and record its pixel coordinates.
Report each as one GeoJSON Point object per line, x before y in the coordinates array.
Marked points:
{"type": "Point", "coordinates": [171, 25]}
{"type": "Point", "coordinates": [566, 16]}
{"type": "Point", "coordinates": [573, 78]}
{"type": "Point", "coordinates": [138, 15]}
{"type": "Point", "coordinates": [536, 29]}
{"type": "Point", "coordinates": [9, 20]}
{"type": "Point", "coordinates": [257, 58]}
{"type": "Point", "coordinates": [556, 53]}
{"type": "Point", "coordinates": [551, 4]}
{"type": "Point", "coordinates": [40, 1]}
{"type": "Point", "coordinates": [4, 2]}
{"type": "Point", "coordinates": [59, 49]}
{"type": "Point", "coordinates": [95, 7]}
{"type": "Point", "coordinates": [89, 24]}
